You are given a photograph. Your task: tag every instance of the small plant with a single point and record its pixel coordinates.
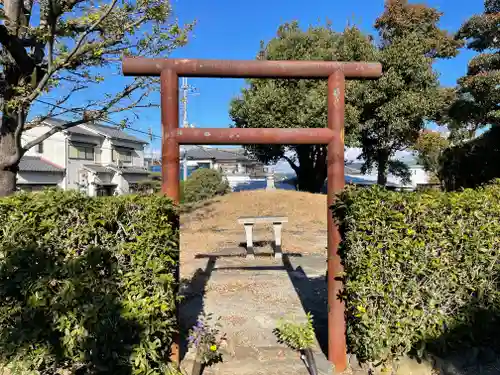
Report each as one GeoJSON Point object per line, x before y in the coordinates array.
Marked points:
{"type": "Point", "coordinates": [206, 339]}
{"type": "Point", "coordinates": [299, 337]}
{"type": "Point", "coordinates": [172, 370]}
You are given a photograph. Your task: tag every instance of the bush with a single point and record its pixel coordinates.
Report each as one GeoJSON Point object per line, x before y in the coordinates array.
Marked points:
{"type": "Point", "coordinates": [148, 187]}
{"type": "Point", "coordinates": [87, 284]}
{"type": "Point", "coordinates": [204, 184]}
{"type": "Point", "coordinates": [473, 163]}
{"type": "Point", "coordinates": [421, 270]}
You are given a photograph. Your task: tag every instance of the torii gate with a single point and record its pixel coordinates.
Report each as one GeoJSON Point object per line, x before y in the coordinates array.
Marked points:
{"type": "Point", "coordinates": [172, 137]}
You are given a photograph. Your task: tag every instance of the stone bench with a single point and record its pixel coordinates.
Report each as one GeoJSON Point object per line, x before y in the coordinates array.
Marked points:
{"type": "Point", "coordinates": [250, 221]}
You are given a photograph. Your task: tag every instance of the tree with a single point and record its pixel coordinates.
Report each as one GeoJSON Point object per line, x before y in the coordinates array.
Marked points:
{"type": "Point", "coordinates": [430, 146]}
{"type": "Point", "coordinates": [393, 110]}
{"type": "Point", "coordinates": [296, 103]}
{"type": "Point", "coordinates": [72, 45]}
{"type": "Point", "coordinates": [478, 92]}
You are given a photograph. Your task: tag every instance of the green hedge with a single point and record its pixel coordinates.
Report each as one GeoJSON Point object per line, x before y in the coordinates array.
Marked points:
{"type": "Point", "coordinates": [422, 270]}
{"type": "Point", "coordinates": [87, 284]}
{"type": "Point", "coordinates": [204, 184]}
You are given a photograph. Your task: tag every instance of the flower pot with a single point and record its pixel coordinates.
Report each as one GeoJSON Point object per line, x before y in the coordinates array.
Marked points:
{"type": "Point", "coordinates": [198, 368]}
{"type": "Point", "coordinates": [308, 358]}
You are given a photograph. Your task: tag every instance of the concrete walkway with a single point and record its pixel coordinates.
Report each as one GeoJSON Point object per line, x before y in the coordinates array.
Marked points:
{"type": "Point", "coordinates": [251, 295]}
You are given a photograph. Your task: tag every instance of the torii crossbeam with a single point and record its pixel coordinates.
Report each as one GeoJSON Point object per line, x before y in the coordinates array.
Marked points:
{"type": "Point", "coordinates": [333, 136]}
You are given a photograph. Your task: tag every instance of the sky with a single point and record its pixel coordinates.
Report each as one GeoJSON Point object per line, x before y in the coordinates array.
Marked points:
{"type": "Point", "coordinates": [233, 29]}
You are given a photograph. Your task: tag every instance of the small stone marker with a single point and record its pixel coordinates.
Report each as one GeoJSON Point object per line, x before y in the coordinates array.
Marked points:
{"type": "Point", "coordinates": [249, 222]}
{"type": "Point", "coordinates": [270, 182]}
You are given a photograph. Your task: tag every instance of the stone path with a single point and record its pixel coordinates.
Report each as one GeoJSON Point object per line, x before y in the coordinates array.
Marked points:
{"type": "Point", "coordinates": [251, 295]}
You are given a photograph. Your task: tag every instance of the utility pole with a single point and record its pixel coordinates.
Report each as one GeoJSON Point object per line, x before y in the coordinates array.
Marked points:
{"type": "Point", "coordinates": [186, 91]}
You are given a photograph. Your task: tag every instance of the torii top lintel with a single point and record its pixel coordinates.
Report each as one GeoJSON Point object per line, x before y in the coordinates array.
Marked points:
{"type": "Point", "coordinates": [140, 66]}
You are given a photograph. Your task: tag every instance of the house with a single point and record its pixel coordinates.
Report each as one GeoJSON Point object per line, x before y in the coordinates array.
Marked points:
{"type": "Point", "coordinates": [237, 167]}
{"type": "Point", "coordinates": [36, 173]}
{"type": "Point", "coordinates": [94, 158]}
{"type": "Point", "coordinates": [230, 161]}
{"type": "Point", "coordinates": [353, 175]}
{"type": "Point", "coordinates": [418, 176]}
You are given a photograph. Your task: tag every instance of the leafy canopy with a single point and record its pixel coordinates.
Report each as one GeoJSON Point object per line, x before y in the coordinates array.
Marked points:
{"type": "Point", "coordinates": [430, 147]}
{"type": "Point", "coordinates": [394, 109]}
{"type": "Point", "coordinates": [295, 103]}
{"type": "Point", "coordinates": [478, 93]}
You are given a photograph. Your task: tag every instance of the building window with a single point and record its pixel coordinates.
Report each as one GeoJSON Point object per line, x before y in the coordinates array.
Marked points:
{"type": "Point", "coordinates": [122, 154]}
{"type": "Point", "coordinates": [39, 148]}
{"type": "Point", "coordinates": [81, 151]}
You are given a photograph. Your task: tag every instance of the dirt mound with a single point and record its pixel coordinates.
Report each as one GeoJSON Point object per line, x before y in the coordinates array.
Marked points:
{"type": "Point", "coordinates": [213, 225]}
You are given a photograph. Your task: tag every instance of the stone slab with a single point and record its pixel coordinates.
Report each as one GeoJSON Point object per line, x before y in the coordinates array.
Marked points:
{"type": "Point", "coordinates": [262, 219]}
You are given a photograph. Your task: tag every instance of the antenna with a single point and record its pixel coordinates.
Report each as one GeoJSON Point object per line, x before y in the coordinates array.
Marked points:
{"type": "Point", "coordinates": [186, 91]}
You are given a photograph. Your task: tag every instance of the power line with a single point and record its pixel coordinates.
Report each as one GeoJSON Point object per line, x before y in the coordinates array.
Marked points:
{"type": "Point", "coordinates": [104, 120]}
{"type": "Point", "coordinates": [148, 133]}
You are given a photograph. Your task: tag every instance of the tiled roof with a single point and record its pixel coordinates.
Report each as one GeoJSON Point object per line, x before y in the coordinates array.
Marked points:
{"type": "Point", "coordinates": [97, 168]}
{"type": "Point", "coordinates": [133, 170]}
{"type": "Point", "coordinates": [37, 164]}
{"type": "Point", "coordinates": [200, 153]}
{"type": "Point", "coordinates": [113, 132]}
{"type": "Point", "coordinates": [74, 130]}
{"type": "Point", "coordinates": [112, 169]}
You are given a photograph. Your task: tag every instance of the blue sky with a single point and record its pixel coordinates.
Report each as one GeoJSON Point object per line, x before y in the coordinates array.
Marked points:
{"type": "Point", "coordinates": [232, 29]}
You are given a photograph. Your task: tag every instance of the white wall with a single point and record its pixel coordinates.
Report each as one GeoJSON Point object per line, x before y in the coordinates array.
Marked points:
{"type": "Point", "coordinates": [419, 176]}
{"type": "Point", "coordinates": [106, 152]}
{"type": "Point", "coordinates": [53, 147]}
{"type": "Point", "coordinates": [54, 150]}
{"type": "Point", "coordinates": [121, 184]}
{"type": "Point", "coordinates": [73, 170]}
{"type": "Point", "coordinates": [194, 163]}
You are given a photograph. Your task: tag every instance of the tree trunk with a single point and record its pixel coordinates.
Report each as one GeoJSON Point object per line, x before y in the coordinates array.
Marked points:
{"type": "Point", "coordinates": [7, 182]}
{"type": "Point", "coordinates": [311, 173]}
{"type": "Point", "coordinates": [382, 161]}
{"type": "Point", "coordinates": [10, 154]}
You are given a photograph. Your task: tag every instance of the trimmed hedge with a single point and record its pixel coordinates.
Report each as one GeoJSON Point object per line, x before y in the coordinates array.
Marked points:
{"type": "Point", "coordinates": [87, 284]}
{"type": "Point", "coordinates": [422, 270]}
{"type": "Point", "coordinates": [204, 184]}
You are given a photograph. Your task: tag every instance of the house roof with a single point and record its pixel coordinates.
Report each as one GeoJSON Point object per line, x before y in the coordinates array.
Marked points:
{"type": "Point", "coordinates": [134, 170]}
{"type": "Point", "coordinates": [37, 164]}
{"type": "Point", "coordinates": [202, 153]}
{"type": "Point", "coordinates": [114, 132]}
{"type": "Point", "coordinates": [112, 169]}
{"type": "Point", "coordinates": [97, 130]}
{"type": "Point", "coordinates": [97, 168]}
{"type": "Point", "coordinates": [74, 130]}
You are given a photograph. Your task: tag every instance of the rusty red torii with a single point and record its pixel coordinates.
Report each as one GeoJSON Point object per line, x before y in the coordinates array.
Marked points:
{"type": "Point", "coordinates": [172, 137]}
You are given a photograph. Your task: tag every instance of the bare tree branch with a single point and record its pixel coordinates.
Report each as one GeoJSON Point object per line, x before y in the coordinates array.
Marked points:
{"type": "Point", "coordinates": [73, 53]}
{"type": "Point", "coordinates": [51, 132]}
{"type": "Point", "coordinates": [95, 116]}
